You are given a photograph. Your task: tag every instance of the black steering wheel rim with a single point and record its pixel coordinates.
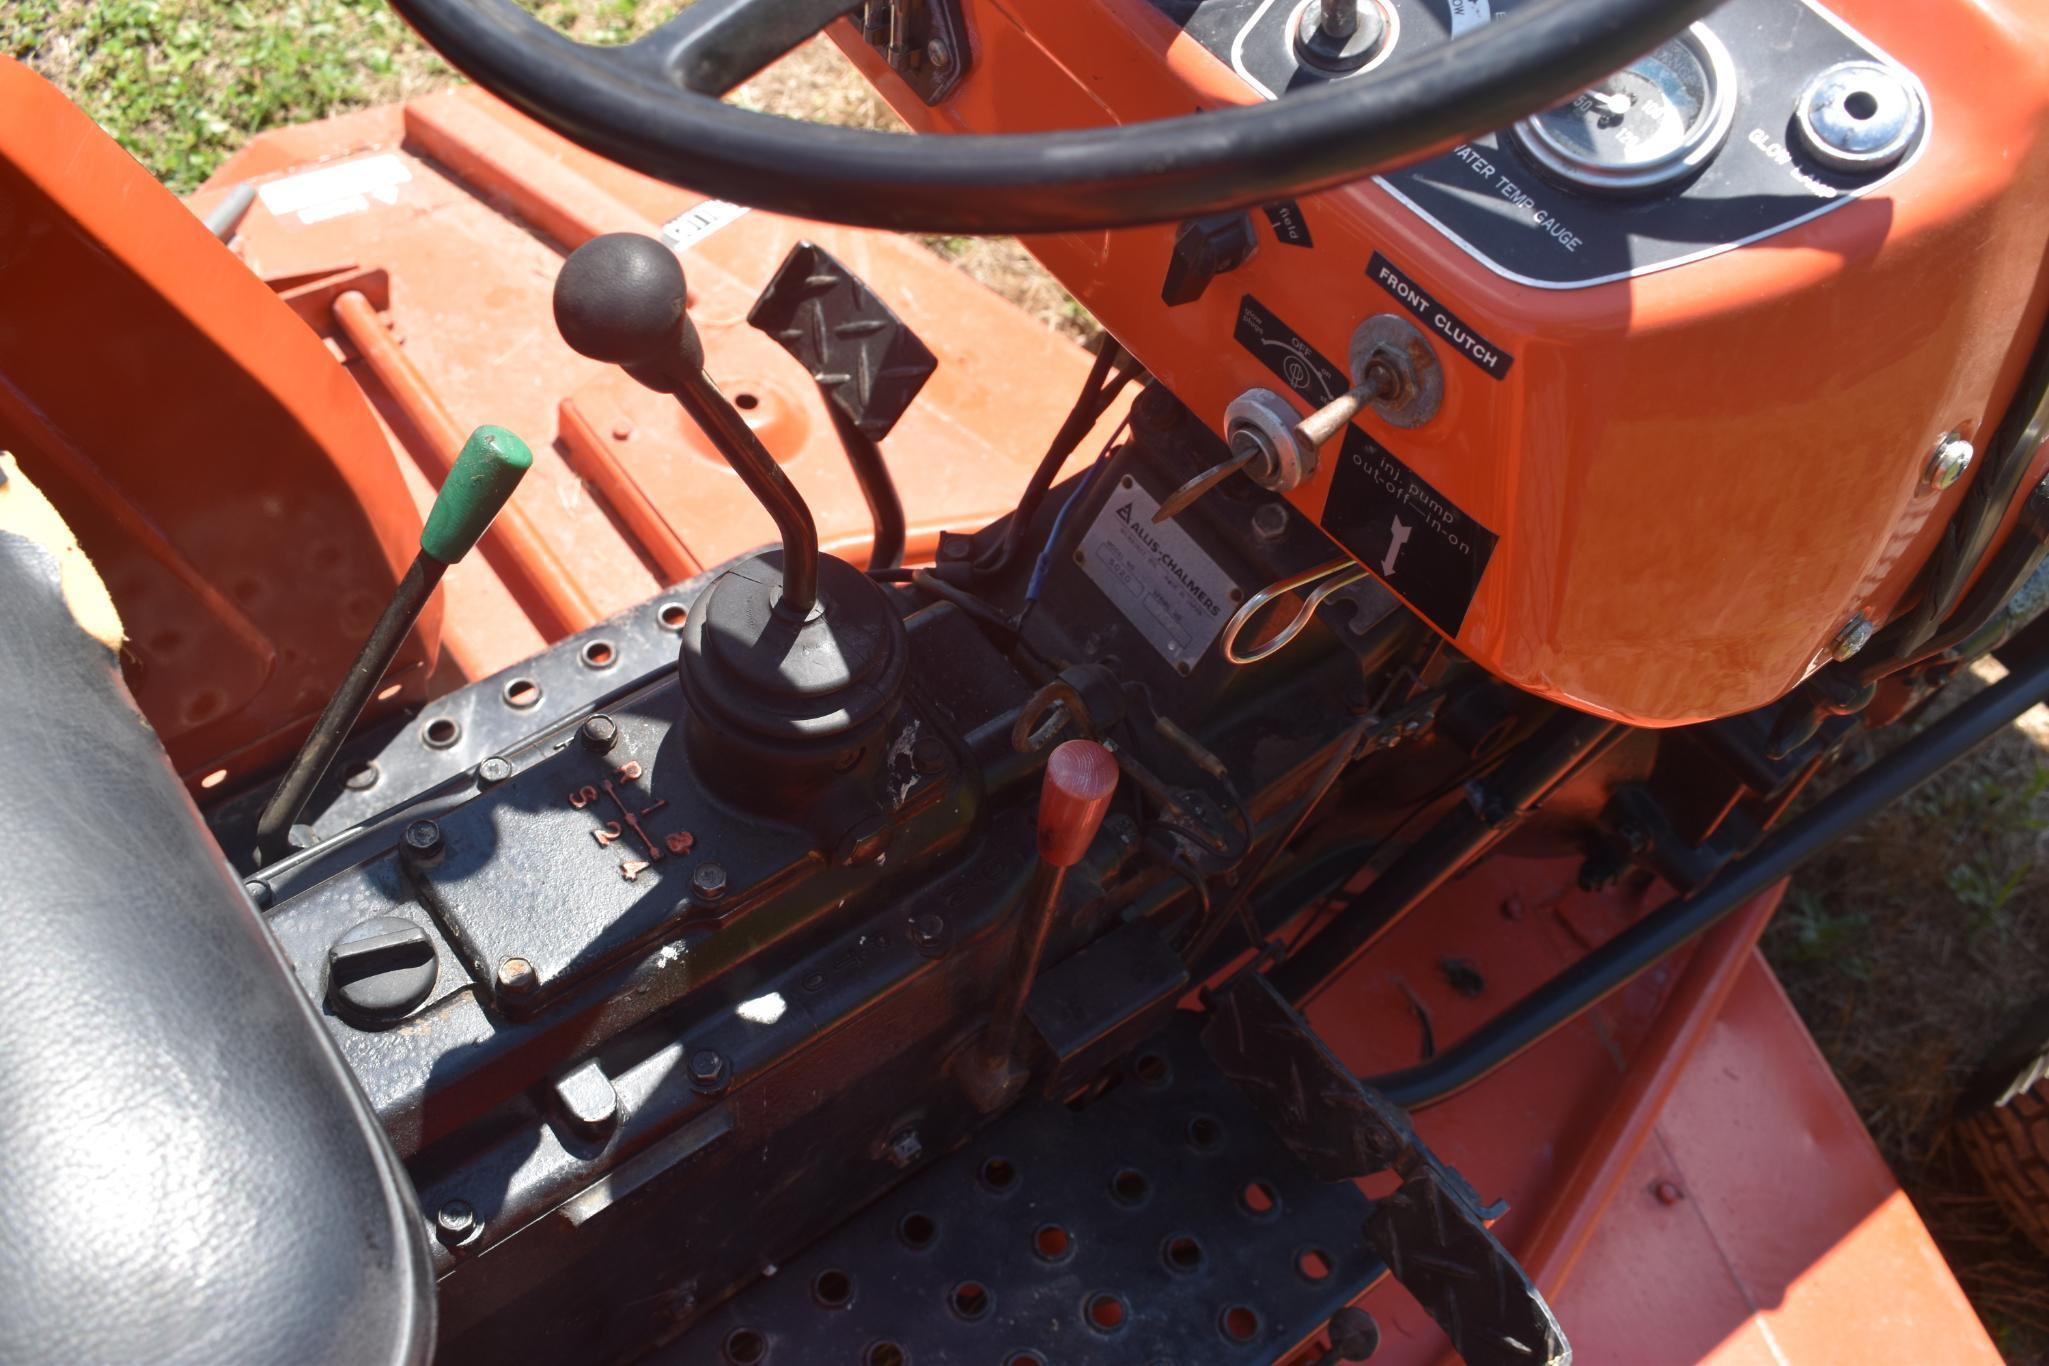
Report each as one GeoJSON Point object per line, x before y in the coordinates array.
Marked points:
{"type": "Point", "coordinates": [654, 106]}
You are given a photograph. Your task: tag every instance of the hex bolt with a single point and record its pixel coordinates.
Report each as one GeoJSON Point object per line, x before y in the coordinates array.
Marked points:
{"type": "Point", "coordinates": [1953, 455]}
{"type": "Point", "coordinates": [598, 734]}
{"type": "Point", "coordinates": [259, 893]}
{"type": "Point", "coordinates": [709, 1071]}
{"type": "Point", "coordinates": [905, 1147]}
{"type": "Point", "coordinates": [423, 839]}
{"type": "Point", "coordinates": [865, 841]}
{"type": "Point", "coordinates": [1854, 636]}
{"type": "Point", "coordinates": [494, 770]}
{"type": "Point", "coordinates": [929, 755]}
{"type": "Point", "coordinates": [516, 977]}
{"type": "Point", "coordinates": [1270, 521]}
{"type": "Point", "coordinates": [939, 54]}
{"type": "Point", "coordinates": [455, 1222]}
{"type": "Point", "coordinates": [1668, 1192]}
{"type": "Point", "coordinates": [928, 933]}
{"type": "Point", "coordinates": [1354, 1336]}
{"type": "Point", "coordinates": [708, 883]}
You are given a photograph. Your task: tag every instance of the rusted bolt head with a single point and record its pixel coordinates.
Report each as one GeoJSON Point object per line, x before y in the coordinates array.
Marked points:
{"type": "Point", "coordinates": [709, 1070]}
{"type": "Point", "coordinates": [516, 977]}
{"type": "Point", "coordinates": [708, 883]}
{"type": "Point", "coordinates": [423, 839]}
{"type": "Point", "coordinates": [1854, 636]}
{"type": "Point", "coordinates": [598, 734]}
{"type": "Point", "coordinates": [455, 1222]}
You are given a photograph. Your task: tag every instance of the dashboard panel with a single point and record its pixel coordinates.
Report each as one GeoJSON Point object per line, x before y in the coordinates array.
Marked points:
{"type": "Point", "coordinates": [1557, 221]}
{"type": "Point", "coordinates": [1686, 414]}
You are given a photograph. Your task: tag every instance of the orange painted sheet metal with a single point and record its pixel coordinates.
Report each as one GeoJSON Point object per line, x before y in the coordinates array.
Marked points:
{"type": "Point", "coordinates": [1757, 1250]}
{"type": "Point", "coordinates": [469, 208]}
{"type": "Point", "coordinates": [217, 465]}
{"type": "Point", "coordinates": [1698, 475]}
{"type": "Point", "coordinates": [1741, 1206]}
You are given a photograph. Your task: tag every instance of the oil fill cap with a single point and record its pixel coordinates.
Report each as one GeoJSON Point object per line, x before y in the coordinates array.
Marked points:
{"type": "Point", "coordinates": [1859, 116]}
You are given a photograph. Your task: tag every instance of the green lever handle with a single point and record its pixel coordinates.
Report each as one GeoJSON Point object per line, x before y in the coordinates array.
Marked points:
{"type": "Point", "coordinates": [485, 474]}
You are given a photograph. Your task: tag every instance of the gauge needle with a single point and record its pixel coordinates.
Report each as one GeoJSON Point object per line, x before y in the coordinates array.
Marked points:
{"type": "Point", "coordinates": [1613, 102]}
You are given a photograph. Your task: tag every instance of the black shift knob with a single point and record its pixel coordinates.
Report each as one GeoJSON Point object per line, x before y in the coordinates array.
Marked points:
{"type": "Point", "coordinates": [620, 298]}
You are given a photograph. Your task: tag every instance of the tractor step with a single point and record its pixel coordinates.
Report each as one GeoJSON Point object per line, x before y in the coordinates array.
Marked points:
{"type": "Point", "coordinates": [1162, 1221]}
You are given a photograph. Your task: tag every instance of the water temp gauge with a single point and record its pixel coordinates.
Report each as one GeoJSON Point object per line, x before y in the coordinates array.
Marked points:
{"type": "Point", "coordinates": [1651, 124]}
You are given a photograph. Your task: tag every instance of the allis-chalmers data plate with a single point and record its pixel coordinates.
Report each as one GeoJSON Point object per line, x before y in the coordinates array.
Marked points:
{"type": "Point", "coordinates": [1162, 1222]}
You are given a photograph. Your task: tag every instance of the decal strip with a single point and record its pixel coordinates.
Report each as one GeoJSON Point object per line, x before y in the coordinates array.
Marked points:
{"type": "Point", "coordinates": [1439, 319]}
{"type": "Point", "coordinates": [1420, 543]}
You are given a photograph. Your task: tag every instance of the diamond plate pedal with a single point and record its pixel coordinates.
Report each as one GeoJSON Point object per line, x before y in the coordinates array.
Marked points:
{"type": "Point", "coordinates": [1432, 1231]}
{"type": "Point", "coordinates": [1161, 1222]}
{"type": "Point", "coordinates": [861, 354]}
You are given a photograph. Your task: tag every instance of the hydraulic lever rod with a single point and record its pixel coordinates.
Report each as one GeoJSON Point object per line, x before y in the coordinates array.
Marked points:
{"type": "Point", "coordinates": [1081, 777]}
{"type": "Point", "coordinates": [484, 476]}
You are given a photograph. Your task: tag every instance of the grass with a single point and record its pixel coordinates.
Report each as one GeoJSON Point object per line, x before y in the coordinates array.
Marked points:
{"type": "Point", "coordinates": [182, 83]}
{"type": "Point", "coordinates": [1905, 948]}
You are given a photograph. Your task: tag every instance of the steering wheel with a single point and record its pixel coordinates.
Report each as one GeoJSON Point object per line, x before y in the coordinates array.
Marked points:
{"type": "Point", "coordinates": [654, 105]}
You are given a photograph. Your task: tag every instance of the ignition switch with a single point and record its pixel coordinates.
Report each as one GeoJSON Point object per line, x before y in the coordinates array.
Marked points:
{"type": "Point", "coordinates": [1338, 37]}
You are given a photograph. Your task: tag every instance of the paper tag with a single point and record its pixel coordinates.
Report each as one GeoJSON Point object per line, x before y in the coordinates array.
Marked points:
{"type": "Point", "coordinates": [332, 191]}
{"type": "Point", "coordinates": [688, 229]}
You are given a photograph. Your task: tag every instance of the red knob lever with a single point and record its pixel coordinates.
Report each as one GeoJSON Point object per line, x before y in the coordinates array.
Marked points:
{"type": "Point", "coordinates": [1081, 777]}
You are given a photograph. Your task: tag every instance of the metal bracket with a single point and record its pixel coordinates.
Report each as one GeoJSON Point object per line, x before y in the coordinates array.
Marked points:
{"type": "Point", "coordinates": [1432, 1232]}
{"type": "Point", "coordinates": [925, 42]}
{"type": "Point", "coordinates": [1160, 1222]}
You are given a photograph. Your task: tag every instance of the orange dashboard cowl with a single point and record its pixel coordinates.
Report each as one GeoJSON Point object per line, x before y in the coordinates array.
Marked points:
{"type": "Point", "coordinates": [1694, 477]}
{"type": "Point", "coordinates": [216, 462]}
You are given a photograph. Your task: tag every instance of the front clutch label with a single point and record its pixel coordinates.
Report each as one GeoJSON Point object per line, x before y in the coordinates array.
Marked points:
{"type": "Point", "coordinates": [1420, 543]}
{"type": "Point", "coordinates": [1166, 584]}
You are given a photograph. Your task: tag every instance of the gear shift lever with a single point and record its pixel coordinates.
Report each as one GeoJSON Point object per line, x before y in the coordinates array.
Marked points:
{"type": "Point", "coordinates": [620, 298]}
{"type": "Point", "coordinates": [792, 663]}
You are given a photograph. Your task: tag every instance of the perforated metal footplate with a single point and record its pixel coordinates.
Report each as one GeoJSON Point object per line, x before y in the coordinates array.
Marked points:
{"type": "Point", "coordinates": [1162, 1223]}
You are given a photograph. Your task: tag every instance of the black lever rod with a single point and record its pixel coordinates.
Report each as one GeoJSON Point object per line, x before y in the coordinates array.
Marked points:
{"type": "Point", "coordinates": [621, 298]}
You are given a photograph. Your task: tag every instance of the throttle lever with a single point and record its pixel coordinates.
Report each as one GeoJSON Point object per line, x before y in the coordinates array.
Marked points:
{"type": "Point", "coordinates": [1081, 777]}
